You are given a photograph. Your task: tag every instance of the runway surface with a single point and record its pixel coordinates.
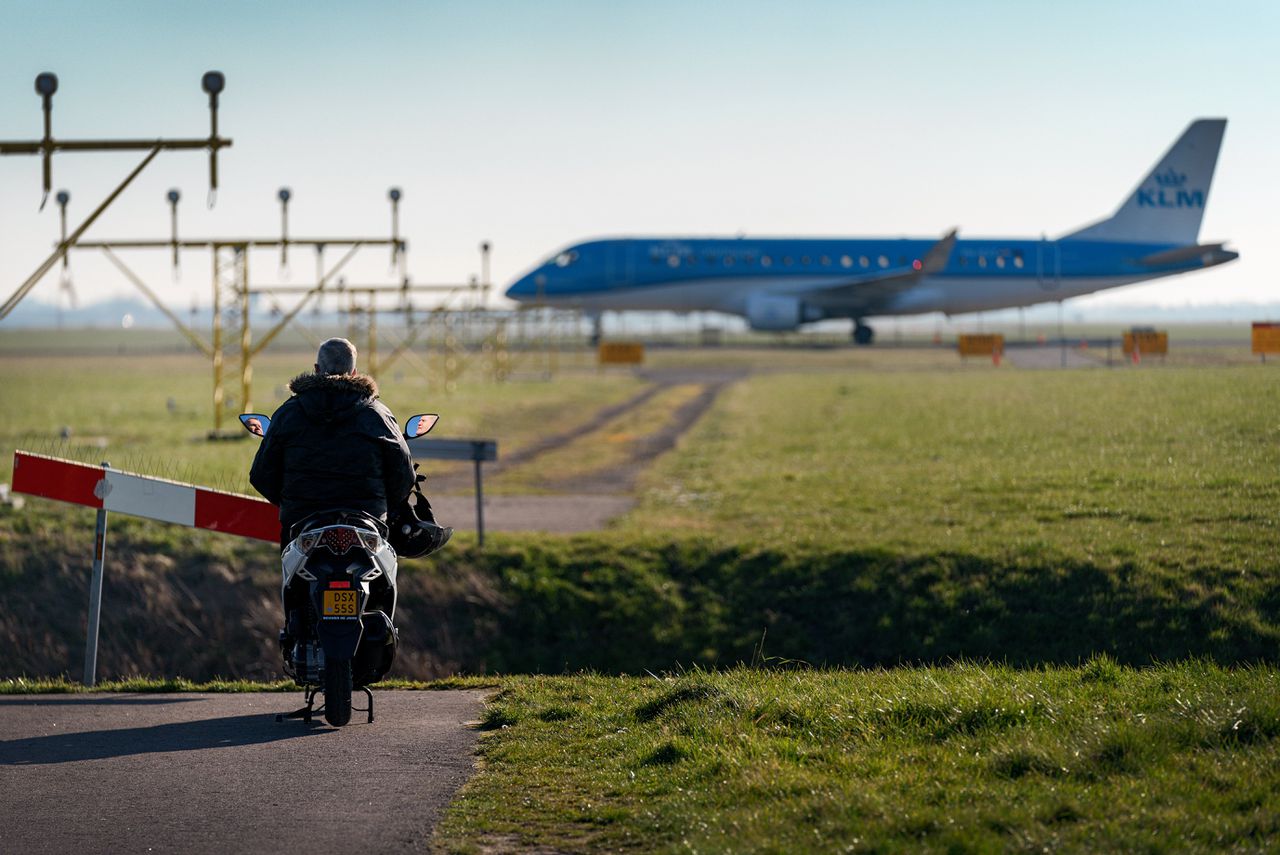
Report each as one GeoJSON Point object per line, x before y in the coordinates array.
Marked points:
{"type": "Point", "coordinates": [187, 773]}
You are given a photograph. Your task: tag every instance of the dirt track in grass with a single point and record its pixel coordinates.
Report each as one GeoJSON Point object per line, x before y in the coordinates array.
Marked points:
{"type": "Point", "coordinates": [589, 501]}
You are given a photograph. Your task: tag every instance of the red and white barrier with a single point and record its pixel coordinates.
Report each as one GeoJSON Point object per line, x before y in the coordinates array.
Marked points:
{"type": "Point", "coordinates": [144, 496]}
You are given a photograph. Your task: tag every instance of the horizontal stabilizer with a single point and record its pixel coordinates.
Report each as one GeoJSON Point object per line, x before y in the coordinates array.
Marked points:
{"type": "Point", "coordinates": [1209, 253]}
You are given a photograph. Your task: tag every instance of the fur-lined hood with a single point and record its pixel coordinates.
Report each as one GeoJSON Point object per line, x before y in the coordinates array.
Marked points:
{"type": "Point", "coordinates": [325, 397]}
{"type": "Point", "coordinates": [361, 384]}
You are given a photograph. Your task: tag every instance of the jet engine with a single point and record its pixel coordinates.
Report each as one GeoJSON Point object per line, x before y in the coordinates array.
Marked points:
{"type": "Point", "coordinates": [774, 312]}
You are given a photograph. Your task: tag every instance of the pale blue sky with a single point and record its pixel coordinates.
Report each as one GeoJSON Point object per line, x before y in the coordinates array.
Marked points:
{"type": "Point", "coordinates": [536, 124]}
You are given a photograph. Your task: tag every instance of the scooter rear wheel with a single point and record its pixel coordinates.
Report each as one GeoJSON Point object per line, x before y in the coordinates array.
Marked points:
{"type": "Point", "coordinates": [337, 693]}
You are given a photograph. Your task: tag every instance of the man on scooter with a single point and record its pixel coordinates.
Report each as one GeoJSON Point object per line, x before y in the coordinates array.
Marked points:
{"type": "Point", "coordinates": [332, 445]}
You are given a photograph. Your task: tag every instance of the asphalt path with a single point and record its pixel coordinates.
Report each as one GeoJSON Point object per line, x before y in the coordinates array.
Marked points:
{"type": "Point", "coordinates": [190, 773]}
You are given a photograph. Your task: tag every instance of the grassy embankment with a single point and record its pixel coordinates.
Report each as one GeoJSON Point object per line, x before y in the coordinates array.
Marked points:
{"type": "Point", "coordinates": [864, 518]}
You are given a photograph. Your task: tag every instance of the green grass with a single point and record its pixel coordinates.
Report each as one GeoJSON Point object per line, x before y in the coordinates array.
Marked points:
{"type": "Point", "coordinates": [967, 758]}
{"type": "Point", "coordinates": [150, 414]}
{"type": "Point", "coordinates": [1169, 467]}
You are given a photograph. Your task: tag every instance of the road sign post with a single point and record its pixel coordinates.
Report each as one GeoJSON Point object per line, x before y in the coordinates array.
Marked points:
{"type": "Point", "coordinates": [95, 596]}
{"type": "Point", "coordinates": [476, 450]}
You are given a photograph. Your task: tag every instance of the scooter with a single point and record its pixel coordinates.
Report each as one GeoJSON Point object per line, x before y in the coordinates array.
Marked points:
{"type": "Point", "coordinates": [339, 598]}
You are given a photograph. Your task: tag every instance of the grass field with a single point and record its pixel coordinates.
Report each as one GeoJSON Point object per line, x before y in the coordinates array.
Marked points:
{"type": "Point", "coordinates": [890, 508]}
{"type": "Point", "coordinates": [151, 413]}
{"type": "Point", "coordinates": [1173, 466]}
{"type": "Point", "coordinates": [960, 759]}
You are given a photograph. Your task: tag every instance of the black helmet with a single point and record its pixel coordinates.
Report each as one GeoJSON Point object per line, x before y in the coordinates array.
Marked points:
{"type": "Point", "coordinates": [413, 538]}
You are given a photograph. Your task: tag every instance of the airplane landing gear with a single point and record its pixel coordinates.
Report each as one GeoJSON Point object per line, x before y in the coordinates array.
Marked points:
{"type": "Point", "coordinates": [597, 327]}
{"type": "Point", "coordinates": [862, 334]}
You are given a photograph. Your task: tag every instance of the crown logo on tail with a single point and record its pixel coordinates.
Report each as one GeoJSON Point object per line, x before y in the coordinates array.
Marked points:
{"type": "Point", "coordinates": [1170, 178]}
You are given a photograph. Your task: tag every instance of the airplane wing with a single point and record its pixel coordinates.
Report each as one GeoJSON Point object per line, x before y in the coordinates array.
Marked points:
{"type": "Point", "coordinates": [865, 292]}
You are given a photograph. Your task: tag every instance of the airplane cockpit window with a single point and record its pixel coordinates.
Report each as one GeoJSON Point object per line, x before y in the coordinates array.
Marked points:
{"type": "Point", "coordinates": [564, 259]}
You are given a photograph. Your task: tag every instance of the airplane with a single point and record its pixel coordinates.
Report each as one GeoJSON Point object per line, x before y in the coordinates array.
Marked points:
{"type": "Point", "coordinates": [780, 284]}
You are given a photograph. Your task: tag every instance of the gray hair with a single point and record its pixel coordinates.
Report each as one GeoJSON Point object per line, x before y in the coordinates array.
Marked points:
{"type": "Point", "coordinates": [336, 356]}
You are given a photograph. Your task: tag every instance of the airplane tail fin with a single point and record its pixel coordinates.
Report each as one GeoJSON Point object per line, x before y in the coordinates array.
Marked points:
{"type": "Point", "coordinates": [1168, 204]}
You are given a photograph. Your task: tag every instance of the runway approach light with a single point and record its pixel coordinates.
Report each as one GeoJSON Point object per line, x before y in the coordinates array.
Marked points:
{"type": "Point", "coordinates": [213, 82]}
{"type": "Point", "coordinates": [173, 196]}
{"type": "Point", "coordinates": [63, 198]}
{"type": "Point", "coordinates": [284, 194]}
{"type": "Point", "coordinates": [46, 83]}
{"type": "Point", "coordinates": [397, 246]}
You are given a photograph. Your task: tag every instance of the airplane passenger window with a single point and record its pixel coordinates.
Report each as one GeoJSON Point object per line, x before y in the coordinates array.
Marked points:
{"type": "Point", "coordinates": [749, 258]}
{"type": "Point", "coordinates": [826, 261]}
{"type": "Point", "coordinates": [786, 259]}
{"type": "Point", "coordinates": [982, 261]}
{"type": "Point", "coordinates": [804, 259]}
{"type": "Point", "coordinates": [1017, 259]}
{"type": "Point", "coordinates": [883, 260]}
{"type": "Point", "coordinates": [846, 261]}
{"type": "Point", "coordinates": [863, 261]}
{"type": "Point", "coordinates": [1000, 261]}
{"type": "Point", "coordinates": [766, 261]}
{"type": "Point", "coordinates": [673, 261]}
{"type": "Point", "coordinates": [728, 261]}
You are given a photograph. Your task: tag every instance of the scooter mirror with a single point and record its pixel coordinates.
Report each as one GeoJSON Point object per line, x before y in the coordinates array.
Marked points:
{"type": "Point", "coordinates": [420, 425]}
{"type": "Point", "coordinates": [255, 423]}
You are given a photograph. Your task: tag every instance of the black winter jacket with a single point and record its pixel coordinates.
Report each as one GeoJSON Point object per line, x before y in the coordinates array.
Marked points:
{"type": "Point", "coordinates": [332, 445]}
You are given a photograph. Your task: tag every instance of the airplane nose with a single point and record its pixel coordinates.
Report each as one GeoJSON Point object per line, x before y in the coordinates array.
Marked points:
{"type": "Point", "coordinates": [527, 287]}
{"type": "Point", "coordinates": [520, 289]}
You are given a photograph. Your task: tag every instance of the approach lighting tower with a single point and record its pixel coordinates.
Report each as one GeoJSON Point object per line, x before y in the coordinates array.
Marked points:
{"type": "Point", "coordinates": [212, 82]}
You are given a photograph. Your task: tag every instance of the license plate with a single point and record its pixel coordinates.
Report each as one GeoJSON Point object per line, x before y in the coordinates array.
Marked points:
{"type": "Point", "coordinates": [339, 604]}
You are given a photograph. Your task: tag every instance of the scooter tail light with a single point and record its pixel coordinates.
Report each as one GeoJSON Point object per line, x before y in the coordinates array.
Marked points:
{"type": "Point", "coordinates": [308, 541]}
{"type": "Point", "coordinates": [339, 538]}
{"type": "Point", "coordinates": [369, 540]}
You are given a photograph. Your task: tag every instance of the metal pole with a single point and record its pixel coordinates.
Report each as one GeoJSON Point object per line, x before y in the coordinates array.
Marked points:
{"type": "Point", "coordinates": [479, 503]}
{"type": "Point", "coordinates": [1062, 335]}
{"type": "Point", "coordinates": [95, 595]}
